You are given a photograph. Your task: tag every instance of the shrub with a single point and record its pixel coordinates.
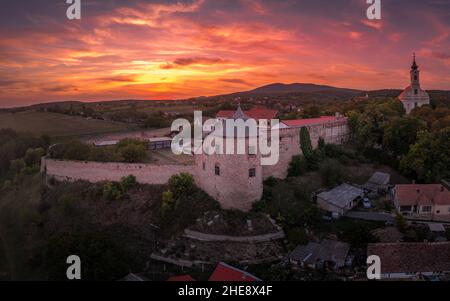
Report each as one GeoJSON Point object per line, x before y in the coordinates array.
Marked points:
{"type": "Point", "coordinates": [168, 203]}
{"type": "Point", "coordinates": [181, 185]}
{"type": "Point", "coordinates": [297, 236]}
{"type": "Point", "coordinates": [112, 191]}
{"type": "Point", "coordinates": [297, 166]}
{"type": "Point", "coordinates": [33, 156]}
{"type": "Point", "coordinates": [332, 172]}
{"type": "Point", "coordinates": [133, 153]}
{"type": "Point", "coordinates": [127, 182]}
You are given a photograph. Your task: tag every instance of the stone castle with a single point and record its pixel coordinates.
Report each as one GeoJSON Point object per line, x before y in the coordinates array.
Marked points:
{"type": "Point", "coordinates": [235, 181]}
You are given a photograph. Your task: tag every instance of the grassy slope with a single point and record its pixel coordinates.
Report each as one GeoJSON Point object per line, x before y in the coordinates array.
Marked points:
{"type": "Point", "coordinates": [16, 209]}
{"type": "Point", "coordinates": [58, 125]}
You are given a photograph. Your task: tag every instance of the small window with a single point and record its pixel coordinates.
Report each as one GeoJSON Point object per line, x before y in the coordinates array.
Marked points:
{"type": "Point", "coordinates": [426, 208]}
{"type": "Point", "coordinates": [415, 77]}
{"type": "Point", "coordinates": [217, 170]}
{"type": "Point", "coordinates": [204, 166]}
{"type": "Point", "coordinates": [416, 91]}
{"type": "Point", "coordinates": [252, 172]}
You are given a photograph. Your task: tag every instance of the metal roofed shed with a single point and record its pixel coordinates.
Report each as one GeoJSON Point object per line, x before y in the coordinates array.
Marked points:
{"type": "Point", "coordinates": [339, 199]}
{"type": "Point", "coordinates": [315, 254]}
{"type": "Point", "coordinates": [159, 143]}
{"type": "Point", "coordinates": [378, 182]}
{"type": "Point", "coordinates": [105, 143]}
{"type": "Point", "coordinates": [436, 227]}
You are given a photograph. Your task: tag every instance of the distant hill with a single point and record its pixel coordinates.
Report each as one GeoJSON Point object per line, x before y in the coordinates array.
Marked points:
{"type": "Point", "coordinates": [298, 89]}
{"type": "Point", "coordinates": [279, 88]}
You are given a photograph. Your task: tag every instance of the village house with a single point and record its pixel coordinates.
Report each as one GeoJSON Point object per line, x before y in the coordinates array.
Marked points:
{"type": "Point", "coordinates": [422, 201]}
{"type": "Point", "coordinates": [327, 253]}
{"type": "Point", "coordinates": [340, 199]}
{"type": "Point", "coordinates": [412, 260]}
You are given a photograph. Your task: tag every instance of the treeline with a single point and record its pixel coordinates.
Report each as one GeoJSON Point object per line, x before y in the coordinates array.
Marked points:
{"type": "Point", "coordinates": [127, 150]}
{"type": "Point", "coordinates": [20, 154]}
{"type": "Point", "coordinates": [418, 145]}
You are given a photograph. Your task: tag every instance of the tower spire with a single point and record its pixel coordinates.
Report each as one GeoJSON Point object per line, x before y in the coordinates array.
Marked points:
{"type": "Point", "coordinates": [414, 65]}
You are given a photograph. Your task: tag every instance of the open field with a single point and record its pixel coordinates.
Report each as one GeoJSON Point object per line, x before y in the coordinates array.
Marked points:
{"type": "Point", "coordinates": [58, 125]}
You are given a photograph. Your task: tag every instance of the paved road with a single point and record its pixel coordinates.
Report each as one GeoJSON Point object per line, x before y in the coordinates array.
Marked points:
{"type": "Point", "coordinates": [371, 216]}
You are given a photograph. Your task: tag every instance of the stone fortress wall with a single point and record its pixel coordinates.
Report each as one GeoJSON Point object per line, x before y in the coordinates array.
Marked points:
{"type": "Point", "coordinates": [63, 170]}
{"type": "Point", "coordinates": [234, 188]}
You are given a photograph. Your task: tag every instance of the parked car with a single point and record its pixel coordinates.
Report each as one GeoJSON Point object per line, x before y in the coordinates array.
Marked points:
{"type": "Point", "coordinates": [367, 203]}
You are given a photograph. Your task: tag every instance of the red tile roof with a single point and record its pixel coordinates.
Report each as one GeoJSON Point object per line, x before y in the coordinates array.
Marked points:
{"type": "Point", "coordinates": [255, 113]}
{"type": "Point", "coordinates": [182, 278]}
{"type": "Point", "coordinates": [422, 194]}
{"type": "Point", "coordinates": [225, 272]}
{"type": "Point", "coordinates": [412, 257]}
{"type": "Point", "coordinates": [312, 121]}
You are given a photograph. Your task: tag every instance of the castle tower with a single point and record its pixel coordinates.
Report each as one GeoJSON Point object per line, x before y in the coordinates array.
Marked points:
{"type": "Point", "coordinates": [413, 96]}
{"type": "Point", "coordinates": [234, 180]}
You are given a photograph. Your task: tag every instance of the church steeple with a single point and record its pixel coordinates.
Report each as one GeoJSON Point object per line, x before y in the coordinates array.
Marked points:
{"type": "Point", "coordinates": [415, 82]}
{"type": "Point", "coordinates": [414, 65]}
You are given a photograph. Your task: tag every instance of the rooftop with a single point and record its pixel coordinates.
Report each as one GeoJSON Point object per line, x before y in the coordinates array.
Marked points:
{"type": "Point", "coordinates": [255, 113]}
{"type": "Point", "coordinates": [341, 195]}
{"type": "Point", "coordinates": [225, 272]}
{"type": "Point", "coordinates": [327, 250]}
{"type": "Point", "coordinates": [412, 257]}
{"type": "Point", "coordinates": [422, 194]}
{"type": "Point", "coordinates": [312, 121]}
{"type": "Point", "coordinates": [181, 278]}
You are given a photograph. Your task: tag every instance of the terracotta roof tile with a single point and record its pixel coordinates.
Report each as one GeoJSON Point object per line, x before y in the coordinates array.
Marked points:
{"type": "Point", "coordinates": [422, 194]}
{"type": "Point", "coordinates": [412, 257]}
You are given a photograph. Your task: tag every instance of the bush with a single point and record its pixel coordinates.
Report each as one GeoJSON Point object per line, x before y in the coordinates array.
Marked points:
{"type": "Point", "coordinates": [33, 156]}
{"type": "Point", "coordinates": [112, 191]}
{"type": "Point", "coordinates": [181, 185]}
{"type": "Point", "coordinates": [132, 151]}
{"type": "Point", "coordinates": [297, 166]}
{"type": "Point", "coordinates": [128, 182]}
{"type": "Point", "coordinates": [332, 172]}
{"type": "Point", "coordinates": [297, 236]}
{"type": "Point", "coordinates": [168, 203]}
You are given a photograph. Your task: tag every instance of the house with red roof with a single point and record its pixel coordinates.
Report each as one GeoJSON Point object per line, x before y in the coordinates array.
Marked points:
{"type": "Point", "coordinates": [411, 260]}
{"type": "Point", "coordinates": [225, 272]}
{"type": "Point", "coordinates": [181, 278]}
{"type": "Point", "coordinates": [423, 201]}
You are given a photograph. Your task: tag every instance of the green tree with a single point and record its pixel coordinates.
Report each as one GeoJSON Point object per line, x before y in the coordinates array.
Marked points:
{"type": "Point", "coordinates": [181, 185]}
{"type": "Point", "coordinates": [112, 191]}
{"type": "Point", "coordinates": [128, 182]}
{"type": "Point", "coordinates": [168, 203]}
{"type": "Point", "coordinates": [332, 172]}
{"type": "Point", "coordinates": [429, 158]}
{"type": "Point", "coordinates": [400, 133]}
{"type": "Point", "coordinates": [305, 142]}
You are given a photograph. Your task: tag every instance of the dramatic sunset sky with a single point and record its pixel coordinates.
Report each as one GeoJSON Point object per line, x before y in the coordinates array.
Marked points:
{"type": "Point", "coordinates": [160, 49]}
